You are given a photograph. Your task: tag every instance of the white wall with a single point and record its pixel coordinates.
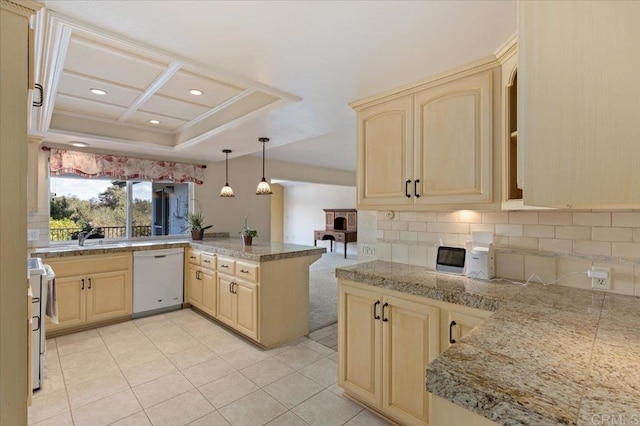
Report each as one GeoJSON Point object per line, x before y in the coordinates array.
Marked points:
{"type": "Point", "coordinates": [303, 212]}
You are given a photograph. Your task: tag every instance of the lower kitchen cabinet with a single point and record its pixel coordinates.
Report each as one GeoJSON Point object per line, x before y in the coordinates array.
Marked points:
{"type": "Point", "coordinates": [237, 304]}
{"type": "Point", "coordinates": [385, 344]}
{"type": "Point", "coordinates": [194, 287]}
{"type": "Point", "coordinates": [458, 321]}
{"type": "Point", "coordinates": [91, 290]}
{"type": "Point", "coordinates": [201, 281]}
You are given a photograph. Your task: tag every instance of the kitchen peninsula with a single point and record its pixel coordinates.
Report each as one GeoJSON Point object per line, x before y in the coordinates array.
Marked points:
{"type": "Point", "coordinates": [260, 291]}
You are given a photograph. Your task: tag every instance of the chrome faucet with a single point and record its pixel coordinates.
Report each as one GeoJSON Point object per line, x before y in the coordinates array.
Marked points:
{"type": "Point", "coordinates": [84, 235]}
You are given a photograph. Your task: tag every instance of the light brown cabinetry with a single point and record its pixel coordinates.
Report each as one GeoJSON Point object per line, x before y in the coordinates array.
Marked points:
{"type": "Point", "coordinates": [91, 290]}
{"type": "Point", "coordinates": [578, 115]}
{"type": "Point", "coordinates": [429, 145]}
{"type": "Point", "coordinates": [201, 280]}
{"type": "Point", "coordinates": [237, 297]}
{"type": "Point", "coordinates": [457, 321]}
{"type": "Point", "coordinates": [385, 343]}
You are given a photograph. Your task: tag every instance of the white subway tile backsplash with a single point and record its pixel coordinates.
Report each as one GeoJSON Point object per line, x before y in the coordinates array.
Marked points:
{"type": "Point", "coordinates": [469, 216]}
{"type": "Point", "coordinates": [626, 249]}
{"type": "Point", "coordinates": [600, 248]}
{"type": "Point", "coordinates": [400, 253]}
{"type": "Point", "coordinates": [510, 230]}
{"type": "Point", "coordinates": [495, 217]}
{"type": "Point", "coordinates": [383, 251]}
{"type": "Point", "coordinates": [448, 216]}
{"type": "Point", "coordinates": [408, 236]}
{"type": "Point", "coordinates": [612, 234]}
{"type": "Point", "coordinates": [430, 237]}
{"type": "Point", "coordinates": [510, 266]}
{"type": "Point", "coordinates": [391, 235]}
{"type": "Point", "coordinates": [526, 243]}
{"type": "Point", "coordinates": [417, 226]}
{"type": "Point", "coordinates": [427, 216]}
{"type": "Point", "coordinates": [555, 218]}
{"type": "Point", "coordinates": [637, 279]}
{"type": "Point", "coordinates": [384, 224]}
{"type": "Point", "coordinates": [626, 219]}
{"type": "Point", "coordinates": [623, 278]}
{"type": "Point", "coordinates": [418, 255]}
{"type": "Point", "coordinates": [399, 226]}
{"type": "Point", "coordinates": [432, 255]}
{"type": "Point", "coordinates": [408, 216]}
{"type": "Point", "coordinates": [573, 233]}
{"type": "Point", "coordinates": [543, 267]}
{"type": "Point", "coordinates": [449, 239]}
{"type": "Point", "coordinates": [540, 231]}
{"type": "Point", "coordinates": [556, 246]}
{"type": "Point", "coordinates": [500, 241]}
{"type": "Point", "coordinates": [636, 235]}
{"type": "Point", "coordinates": [458, 228]}
{"type": "Point", "coordinates": [482, 227]}
{"type": "Point", "coordinates": [379, 234]}
{"type": "Point", "coordinates": [573, 273]}
{"type": "Point", "coordinates": [592, 218]}
{"type": "Point", "coordinates": [525, 218]}
{"type": "Point", "coordinates": [437, 227]}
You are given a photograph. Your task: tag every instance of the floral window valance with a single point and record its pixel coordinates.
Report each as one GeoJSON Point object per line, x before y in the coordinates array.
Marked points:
{"type": "Point", "coordinates": [90, 165]}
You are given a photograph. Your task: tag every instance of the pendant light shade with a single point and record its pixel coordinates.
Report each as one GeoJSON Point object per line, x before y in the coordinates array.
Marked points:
{"type": "Point", "coordinates": [263, 186]}
{"type": "Point", "coordinates": [226, 190]}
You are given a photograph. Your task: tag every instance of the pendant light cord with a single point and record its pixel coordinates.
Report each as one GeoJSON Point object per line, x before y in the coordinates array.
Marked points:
{"type": "Point", "coordinates": [263, 144]}
{"type": "Point", "coordinates": [226, 166]}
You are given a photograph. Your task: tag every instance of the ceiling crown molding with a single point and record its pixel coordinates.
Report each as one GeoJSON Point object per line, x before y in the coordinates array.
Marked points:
{"type": "Point", "coordinates": [22, 7]}
{"type": "Point", "coordinates": [509, 48]}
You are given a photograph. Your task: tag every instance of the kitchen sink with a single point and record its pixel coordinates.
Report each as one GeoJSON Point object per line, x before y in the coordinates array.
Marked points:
{"type": "Point", "coordinates": [72, 247]}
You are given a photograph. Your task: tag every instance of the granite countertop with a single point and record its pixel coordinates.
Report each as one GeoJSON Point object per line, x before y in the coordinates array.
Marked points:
{"type": "Point", "coordinates": [258, 252]}
{"type": "Point", "coordinates": [549, 355]}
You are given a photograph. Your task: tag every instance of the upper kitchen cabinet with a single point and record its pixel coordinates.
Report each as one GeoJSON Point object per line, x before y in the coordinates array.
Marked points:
{"type": "Point", "coordinates": [430, 143]}
{"type": "Point", "coordinates": [579, 103]}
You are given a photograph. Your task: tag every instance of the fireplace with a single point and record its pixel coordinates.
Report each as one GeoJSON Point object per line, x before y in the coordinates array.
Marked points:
{"type": "Point", "coordinates": [341, 226]}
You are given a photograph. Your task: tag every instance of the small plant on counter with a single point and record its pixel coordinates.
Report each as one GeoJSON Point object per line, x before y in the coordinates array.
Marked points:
{"type": "Point", "coordinates": [195, 222]}
{"type": "Point", "coordinates": [247, 233]}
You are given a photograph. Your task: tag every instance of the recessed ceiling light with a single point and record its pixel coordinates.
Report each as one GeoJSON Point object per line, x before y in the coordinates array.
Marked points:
{"type": "Point", "coordinates": [98, 91]}
{"type": "Point", "coordinates": [79, 144]}
{"type": "Point", "coordinates": [154, 121]}
{"type": "Point", "coordinates": [196, 92]}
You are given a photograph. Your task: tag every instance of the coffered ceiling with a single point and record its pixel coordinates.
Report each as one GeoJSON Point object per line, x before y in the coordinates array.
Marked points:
{"type": "Point", "coordinates": [284, 70]}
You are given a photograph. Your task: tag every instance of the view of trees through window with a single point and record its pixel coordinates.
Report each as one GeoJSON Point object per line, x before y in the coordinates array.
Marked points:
{"type": "Point", "coordinates": [80, 205]}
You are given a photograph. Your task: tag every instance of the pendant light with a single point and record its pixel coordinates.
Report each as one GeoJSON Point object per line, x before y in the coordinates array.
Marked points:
{"type": "Point", "coordinates": [263, 186]}
{"type": "Point", "coordinates": [226, 189]}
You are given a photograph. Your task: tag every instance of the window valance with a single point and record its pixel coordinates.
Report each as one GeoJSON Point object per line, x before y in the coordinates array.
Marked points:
{"type": "Point", "coordinates": [91, 165]}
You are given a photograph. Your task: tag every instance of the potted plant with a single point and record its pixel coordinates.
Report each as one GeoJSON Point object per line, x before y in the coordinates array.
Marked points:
{"type": "Point", "coordinates": [247, 233]}
{"type": "Point", "coordinates": [195, 222]}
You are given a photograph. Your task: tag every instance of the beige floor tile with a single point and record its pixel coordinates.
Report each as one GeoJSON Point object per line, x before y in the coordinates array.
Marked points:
{"type": "Point", "coordinates": [90, 357]}
{"type": "Point", "coordinates": [207, 332]}
{"type": "Point", "coordinates": [150, 319]}
{"type": "Point", "coordinates": [227, 389]}
{"type": "Point", "coordinates": [257, 408]}
{"type": "Point", "coordinates": [179, 410]}
{"type": "Point", "coordinates": [366, 418]}
{"type": "Point", "coordinates": [287, 419]}
{"type": "Point", "coordinates": [225, 343]}
{"type": "Point", "coordinates": [211, 419]}
{"type": "Point", "coordinates": [321, 349]}
{"type": "Point", "coordinates": [91, 371]}
{"type": "Point", "coordinates": [107, 410]}
{"type": "Point", "coordinates": [120, 329]}
{"type": "Point", "coordinates": [334, 356]}
{"type": "Point", "coordinates": [336, 389]}
{"type": "Point", "coordinates": [63, 419]}
{"type": "Point", "coordinates": [287, 346]}
{"type": "Point", "coordinates": [138, 419]}
{"type": "Point", "coordinates": [143, 373]}
{"type": "Point", "coordinates": [51, 346]}
{"type": "Point", "coordinates": [191, 357]}
{"type": "Point", "coordinates": [48, 404]}
{"type": "Point", "coordinates": [293, 389]}
{"type": "Point", "coordinates": [53, 380]}
{"type": "Point", "coordinates": [245, 356]}
{"type": "Point", "coordinates": [326, 408]}
{"type": "Point", "coordinates": [208, 371]}
{"type": "Point", "coordinates": [77, 342]}
{"type": "Point", "coordinates": [162, 389]}
{"type": "Point", "coordinates": [144, 354]}
{"type": "Point", "coordinates": [298, 357]}
{"type": "Point", "coordinates": [323, 372]}
{"type": "Point", "coordinates": [131, 344]}
{"type": "Point", "coordinates": [160, 329]}
{"type": "Point", "coordinates": [266, 372]}
{"type": "Point", "coordinates": [101, 386]}
{"type": "Point", "coordinates": [176, 344]}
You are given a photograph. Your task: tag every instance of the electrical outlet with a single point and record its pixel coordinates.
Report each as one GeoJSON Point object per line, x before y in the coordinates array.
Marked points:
{"type": "Point", "coordinates": [601, 283]}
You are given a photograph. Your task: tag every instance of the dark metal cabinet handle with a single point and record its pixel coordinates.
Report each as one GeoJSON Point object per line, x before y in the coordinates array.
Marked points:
{"type": "Point", "coordinates": [451, 325]}
{"type": "Point", "coordinates": [384, 319]}
{"type": "Point", "coordinates": [415, 188]}
{"type": "Point", "coordinates": [235, 288]}
{"type": "Point", "coordinates": [243, 271]}
{"type": "Point", "coordinates": [406, 188]}
{"type": "Point", "coordinates": [38, 103]}
{"type": "Point", "coordinates": [82, 284]}
{"type": "Point", "coordinates": [230, 286]}
{"type": "Point", "coordinates": [224, 266]}
{"type": "Point", "coordinates": [198, 275]}
{"type": "Point", "coordinates": [206, 261]}
{"type": "Point", "coordinates": [39, 323]}
{"type": "Point", "coordinates": [375, 310]}
{"type": "Point", "coordinates": [89, 283]}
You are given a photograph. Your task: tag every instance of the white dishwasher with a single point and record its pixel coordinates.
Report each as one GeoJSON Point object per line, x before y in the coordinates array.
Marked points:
{"type": "Point", "coordinates": [157, 281]}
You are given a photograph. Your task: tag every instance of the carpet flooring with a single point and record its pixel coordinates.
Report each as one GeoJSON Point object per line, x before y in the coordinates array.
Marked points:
{"type": "Point", "coordinates": [323, 288]}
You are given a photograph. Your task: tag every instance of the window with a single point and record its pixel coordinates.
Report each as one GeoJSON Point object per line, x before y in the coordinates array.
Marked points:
{"type": "Point", "coordinates": [116, 208]}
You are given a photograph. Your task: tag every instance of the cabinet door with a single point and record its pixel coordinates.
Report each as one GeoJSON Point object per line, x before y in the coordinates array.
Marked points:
{"type": "Point", "coordinates": [454, 141]}
{"type": "Point", "coordinates": [225, 300]}
{"type": "Point", "coordinates": [579, 104]}
{"type": "Point", "coordinates": [71, 302]}
{"type": "Point", "coordinates": [108, 295]}
{"type": "Point", "coordinates": [459, 324]}
{"type": "Point", "coordinates": [359, 340]}
{"type": "Point", "coordinates": [246, 295]}
{"type": "Point", "coordinates": [385, 149]}
{"type": "Point", "coordinates": [208, 291]}
{"type": "Point", "coordinates": [194, 287]}
{"type": "Point", "coordinates": [409, 343]}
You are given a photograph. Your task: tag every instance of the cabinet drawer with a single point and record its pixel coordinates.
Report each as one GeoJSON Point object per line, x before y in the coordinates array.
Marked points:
{"type": "Point", "coordinates": [208, 261]}
{"type": "Point", "coordinates": [339, 237]}
{"type": "Point", "coordinates": [247, 271]}
{"type": "Point", "coordinates": [194, 257]}
{"type": "Point", "coordinates": [226, 265]}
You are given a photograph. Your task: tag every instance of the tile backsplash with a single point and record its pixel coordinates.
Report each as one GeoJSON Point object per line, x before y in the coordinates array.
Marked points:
{"type": "Point", "coordinates": [551, 244]}
{"type": "Point", "coordinates": [40, 221]}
